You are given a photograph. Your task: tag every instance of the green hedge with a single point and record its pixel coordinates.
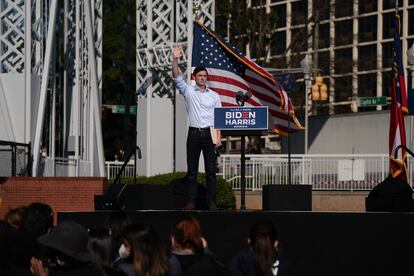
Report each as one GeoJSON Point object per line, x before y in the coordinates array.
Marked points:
{"type": "Point", "coordinates": [224, 194]}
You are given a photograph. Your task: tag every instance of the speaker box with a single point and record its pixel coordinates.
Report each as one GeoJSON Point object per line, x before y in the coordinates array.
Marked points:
{"type": "Point", "coordinates": [387, 204]}
{"type": "Point", "coordinates": [150, 197]}
{"type": "Point", "coordinates": [137, 197]}
{"type": "Point", "coordinates": [287, 197]}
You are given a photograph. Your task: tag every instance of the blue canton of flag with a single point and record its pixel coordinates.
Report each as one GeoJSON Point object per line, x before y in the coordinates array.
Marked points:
{"type": "Point", "coordinates": [229, 71]}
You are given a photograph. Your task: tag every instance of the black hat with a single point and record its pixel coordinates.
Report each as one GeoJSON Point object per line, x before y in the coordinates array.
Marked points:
{"type": "Point", "coordinates": [69, 238]}
{"type": "Point", "coordinates": [199, 69]}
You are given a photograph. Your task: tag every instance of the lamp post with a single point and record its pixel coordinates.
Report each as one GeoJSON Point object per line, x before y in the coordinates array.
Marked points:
{"type": "Point", "coordinates": [410, 57]}
{"type": "Point", "coordinates": [306, 65]}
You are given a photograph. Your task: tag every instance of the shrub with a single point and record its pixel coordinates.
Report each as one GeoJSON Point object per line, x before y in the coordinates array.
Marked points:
{"type": "Point", "coordinates": [224, 194]}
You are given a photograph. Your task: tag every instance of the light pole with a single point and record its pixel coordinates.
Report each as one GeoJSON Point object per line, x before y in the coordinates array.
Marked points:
{"type": "Point", "coordinates": [410, 57]}
{"type": "Point", "coordinates": [306, 65]}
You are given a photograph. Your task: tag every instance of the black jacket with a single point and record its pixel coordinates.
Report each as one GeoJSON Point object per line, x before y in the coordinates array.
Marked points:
{"type": "Point", "coordinates": [243, 265]}
{"type": "Point", "coordinates": [200, 264]}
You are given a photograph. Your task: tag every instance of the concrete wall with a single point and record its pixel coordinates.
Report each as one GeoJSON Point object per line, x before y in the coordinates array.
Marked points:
{"type": "Point", "coordinates": [322, 201]}
{"type": "Point", "coordinates": [359, 133]}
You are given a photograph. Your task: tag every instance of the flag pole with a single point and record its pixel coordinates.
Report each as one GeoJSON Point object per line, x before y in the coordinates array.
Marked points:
{"type": "Point", "coordinates": [289, 150]}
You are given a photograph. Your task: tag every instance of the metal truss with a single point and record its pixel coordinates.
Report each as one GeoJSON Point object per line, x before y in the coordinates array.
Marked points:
{"type": "Point", "coordinates": [28, 51]}
{"type": "Point", "coordinates": [160, 24]}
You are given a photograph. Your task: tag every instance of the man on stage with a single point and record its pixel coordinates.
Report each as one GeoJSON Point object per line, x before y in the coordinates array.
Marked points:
{"type": "Point", "coordinates": [200, 104]}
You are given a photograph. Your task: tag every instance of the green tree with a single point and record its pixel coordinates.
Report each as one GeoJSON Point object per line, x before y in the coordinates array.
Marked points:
{"type": "Point", "coordinates": [118, 82]}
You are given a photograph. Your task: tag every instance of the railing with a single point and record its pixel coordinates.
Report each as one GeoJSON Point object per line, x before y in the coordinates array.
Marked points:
{"type": "Point", "coordinates": [113, 167]}
{"type": "Point", "coordinates": [60, 166]}
{"type": "Point", "coordinates": [323, 172]}
{"type": "Point", "coordinates": [15, 159]}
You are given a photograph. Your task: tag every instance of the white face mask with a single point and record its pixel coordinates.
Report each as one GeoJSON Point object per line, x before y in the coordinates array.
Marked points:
{"type": "Point", "coordinates": [123, 252]}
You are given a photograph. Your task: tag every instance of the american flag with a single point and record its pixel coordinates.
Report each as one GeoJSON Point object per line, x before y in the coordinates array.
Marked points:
{"type": "Point", "coordinates": [398, 165]}
{"type": "Point", "coordinates": [229, 72]}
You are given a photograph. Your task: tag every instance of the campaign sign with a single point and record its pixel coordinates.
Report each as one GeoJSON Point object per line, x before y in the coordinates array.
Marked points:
{"type": "Point", "coordinates": [241, 118]}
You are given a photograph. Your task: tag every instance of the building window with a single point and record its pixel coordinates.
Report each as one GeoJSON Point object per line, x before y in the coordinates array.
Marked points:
{"type": "Point", "coordinates": [321, 7]}
{"type": "Point", "coordinates": [299, 12]}
{"type": "Point", "coordinates": [411, 22]}
{"type": "Point", "coordinates": [324, 38]}
{"type": "Point", "coordinates": [343, 88]}
{"type": "Point", "coordinates": [343, 61]}
{"type": "Point", "coordinates": [367, 58]}
{"type": "Point", "coordinates": [367, 6]}
{"type": "Point", "coordinates": [343, 31]}
{"type": "Point", "coordinates": [323, 62]}
{"type": "Point", "coordinates": [387, 83]}
{"type": "Point", "coordinates": [390, 4]}
{"type": "Point", "coordinates": [278, 43]}
{"type": "Point", "coordinates": [298, 43]}
{"type": "Point", "coordinates": [343, 8]}
{"type": "Point", "coordinates": [367, 28]}
{"type": "Point", "coordinates": [256, 3]}
{"type": "Point", "coordinates": [367, 85]}
{"type": "Point", "coordinates": [389, 23]}
{"type": "Point", "coordinates": [280, 11]}
{"type": "Point", "coordinates": [387, 55]}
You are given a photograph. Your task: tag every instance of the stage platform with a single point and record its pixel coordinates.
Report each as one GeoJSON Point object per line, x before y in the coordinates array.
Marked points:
{"type": "Point", "coordinates": [316, 243]}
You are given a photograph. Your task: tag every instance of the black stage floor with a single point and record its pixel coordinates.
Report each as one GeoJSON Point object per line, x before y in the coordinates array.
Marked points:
{"type": "Point", "coordinates": [316, 243]}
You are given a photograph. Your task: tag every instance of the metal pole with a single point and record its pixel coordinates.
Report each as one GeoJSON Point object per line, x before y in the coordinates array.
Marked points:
{"type": "Point", "coordinates": [411, 118]}
{"type": "Point", "coordinates": [243, 173]}
{"type": "Point", "coordinates": [94, 91]}
{"type": "Point", "coordinates": [306, 111]}
{"type": "Point", "coordinates": [289, 149]}
{"type": "Point", "coordinates": [43, 88]}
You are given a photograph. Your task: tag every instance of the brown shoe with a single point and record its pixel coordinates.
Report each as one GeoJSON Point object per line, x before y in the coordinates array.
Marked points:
{"type": "Point", "coordinates": [189, 206]}
{"type": "Point", "coordinates": [212, 207]}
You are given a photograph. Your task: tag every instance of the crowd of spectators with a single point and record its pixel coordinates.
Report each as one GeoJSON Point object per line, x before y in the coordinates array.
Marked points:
{"type": "Point", "coordinates": [31, 245]}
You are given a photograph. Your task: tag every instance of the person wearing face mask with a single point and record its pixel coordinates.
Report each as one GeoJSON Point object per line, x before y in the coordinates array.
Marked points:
{"type": "Point", "coordinates": [100, 246]}
{"type": "Point", "coordinates": [142, 253]}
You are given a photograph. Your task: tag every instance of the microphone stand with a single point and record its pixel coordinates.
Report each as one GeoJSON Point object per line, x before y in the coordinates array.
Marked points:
{"type": "Point", "coordinates": [240, 102]}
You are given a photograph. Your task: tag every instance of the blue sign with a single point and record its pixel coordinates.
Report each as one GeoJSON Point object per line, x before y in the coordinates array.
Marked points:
{"type": "Point", "coordinates": [241, 118]}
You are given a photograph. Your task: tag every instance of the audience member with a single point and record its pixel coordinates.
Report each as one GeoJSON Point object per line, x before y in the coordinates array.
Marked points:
{"type": "Point", "coordinates": [14, 217]}
{"type": "Point", "coordinates": [144, 253]}
{"type": "Point", "coordinates": [100, 246]}
{"type": "Point", "coordinates": [115, 223]}
{"type": "Point", "coordinates": [37, 220]}
{"type": "Point", "coordinates": [262, 257]}
{"type": "Point", "coordinates": [69, 242]}
{"type": "Point", "coordinates": [6, 242]}
{"type": "Point", "coordinates": [191, 250]}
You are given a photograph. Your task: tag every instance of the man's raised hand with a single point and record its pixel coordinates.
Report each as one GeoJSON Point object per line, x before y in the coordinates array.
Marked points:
{"type": "Point", "coordinates": [177, 52]}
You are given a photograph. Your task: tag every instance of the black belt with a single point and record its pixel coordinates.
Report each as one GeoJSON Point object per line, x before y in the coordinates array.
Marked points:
{"type": "Point", "coordinates": [200, 128]}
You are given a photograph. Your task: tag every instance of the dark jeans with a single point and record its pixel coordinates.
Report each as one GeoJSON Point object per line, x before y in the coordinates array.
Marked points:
{"type": "Point", "coordinates": [200, 140]}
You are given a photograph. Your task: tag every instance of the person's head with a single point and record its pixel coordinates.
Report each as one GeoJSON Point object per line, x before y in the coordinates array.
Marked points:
{"type": "Point", "coordinates": [100, 246]}
{"type": "Point", "coordinates": [148, 254]}
{"type": "Point", "coordinates": [264, 243]}
{"type": "Point", "coordinates": [200, 76]}
{"type": "Point", "coordinates": [116, 222]}
{"type": "Point", "coordinates": [37, 218]}
{"type": "Point", "coordinates": [187, 235]}
{"type": "Point", "coordinates": [14, 217]}
{"type": "Point", "coordinates": [69, 241]}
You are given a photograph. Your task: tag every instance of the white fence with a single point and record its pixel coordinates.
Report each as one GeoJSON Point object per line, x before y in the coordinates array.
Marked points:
{"type": "Point", "coordinates": [60, 166]}
{"type": "Point", "coordinates": [113, 167]}
{"type": "Point", "coordinates": [323, 172]}
{"type": "Point", "coordinates": [72, 167]}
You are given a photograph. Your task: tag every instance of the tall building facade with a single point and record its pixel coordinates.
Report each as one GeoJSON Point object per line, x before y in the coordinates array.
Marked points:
{"type": "Point", "coordinates": [350, 42]}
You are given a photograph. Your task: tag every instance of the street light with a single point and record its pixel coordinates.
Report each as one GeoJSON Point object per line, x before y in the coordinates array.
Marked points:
{"type": "Point", "coordinates": [306, 65]}
{"type": "Point", "coordinates": [410, 57]}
